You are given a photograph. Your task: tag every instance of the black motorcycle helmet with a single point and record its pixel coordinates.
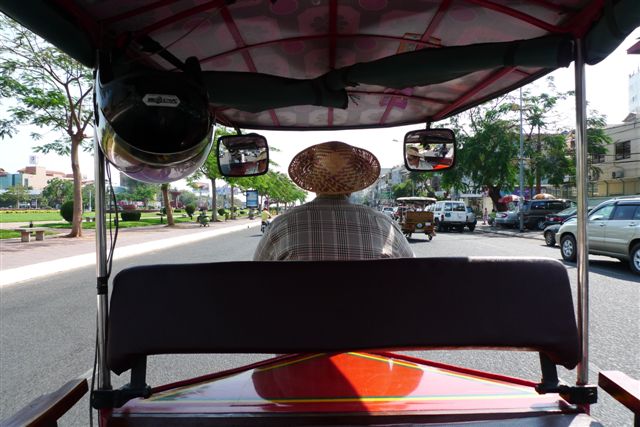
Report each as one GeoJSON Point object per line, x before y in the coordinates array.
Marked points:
{"type": "Point", "coordinates": [153, 125]}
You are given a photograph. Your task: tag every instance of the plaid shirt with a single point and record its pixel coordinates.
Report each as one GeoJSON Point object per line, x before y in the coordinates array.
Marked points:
{"type": "Point", "coordinates": [330, 228]}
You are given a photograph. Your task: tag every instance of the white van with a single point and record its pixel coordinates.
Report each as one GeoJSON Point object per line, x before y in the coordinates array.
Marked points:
{"type": "Point", "coordinates": [449, 214]}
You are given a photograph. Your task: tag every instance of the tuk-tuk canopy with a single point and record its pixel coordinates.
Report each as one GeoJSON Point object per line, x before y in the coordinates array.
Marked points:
{"type": "Point", "coordinates": [341, 64]}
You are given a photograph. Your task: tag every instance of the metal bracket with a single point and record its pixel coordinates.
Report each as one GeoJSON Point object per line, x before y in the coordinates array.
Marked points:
{"type": "Point", "coordinates": [102, 399]}
{"type": "Point", "coordinates": [577, 395]}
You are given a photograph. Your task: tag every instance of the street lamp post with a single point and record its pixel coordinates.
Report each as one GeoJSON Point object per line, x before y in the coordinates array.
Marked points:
{"type": "Point", "coordinates": [521, 199]}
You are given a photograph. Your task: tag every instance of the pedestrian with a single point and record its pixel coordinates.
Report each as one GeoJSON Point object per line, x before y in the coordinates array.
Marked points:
{"type": "Point", "coordinates": [330, 227]}
{"type": "Point", "coordinates": [485, 216]}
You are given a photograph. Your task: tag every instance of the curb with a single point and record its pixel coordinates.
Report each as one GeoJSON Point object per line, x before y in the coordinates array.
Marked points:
{"type": "Point", "coordinates": [33, 271]}
{"type": "Point", "coordinates": [522, 235]}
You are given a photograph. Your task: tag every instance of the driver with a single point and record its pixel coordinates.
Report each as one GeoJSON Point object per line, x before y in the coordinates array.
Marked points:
{"type": "Point", "coordinates": [330, 227]}
{"type": "Point", "coordinates": [417, 161]}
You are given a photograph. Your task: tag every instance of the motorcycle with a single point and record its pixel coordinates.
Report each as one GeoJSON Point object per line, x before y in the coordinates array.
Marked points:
{"type": "Point", "coordinates": [264, 225]}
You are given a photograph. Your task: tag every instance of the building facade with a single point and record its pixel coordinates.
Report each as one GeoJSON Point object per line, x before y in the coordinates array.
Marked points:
{"type": "Point", "coordinates": [9, 179]}
{"type": "Point", "coordinates": [34, 177]}
{"type": "Point", "coordinates": [620, 166]}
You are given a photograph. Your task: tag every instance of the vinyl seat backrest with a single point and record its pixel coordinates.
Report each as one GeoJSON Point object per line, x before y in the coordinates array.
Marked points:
{"type": "Point", "coordinates": [308, 306]}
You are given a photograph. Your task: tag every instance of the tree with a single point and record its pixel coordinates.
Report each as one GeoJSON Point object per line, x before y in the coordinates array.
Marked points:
{"type": "Point", "coordinates": [58, 191]}
{"type": "Point", "coordinates": [188, 198]}
{"type": "Point", "coordinates": [546, 147]}
{"type": "Point", "coordinates": [597, 139]}
{"type": "Point", "coordinates": [50, 90]}
{"type": "Point", "coordinates": [556, 162]}
{"type": "Point", "coordinates": [279, 188]}
{"type": "Point", "coordinates": [541, 137]}
{"type": "Point", "coordinates": [144, 192]}
{"type": "Point", "coordinates": [89, 195]}
{"type": "Point", "coordinates": [15, 195]}
{"type": "Point", "coordinates": [209, 169]}
{"type": "Point", "coordinates": [487, 153]}
{"type": "Point", "coordinates": [404, 189]}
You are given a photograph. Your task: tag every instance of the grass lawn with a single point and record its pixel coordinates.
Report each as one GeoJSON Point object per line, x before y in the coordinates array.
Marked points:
{"type": "Point", "coordinates": [147, 219]}
{"type": "Point", "coordinates": [144, 222]}
{"type": "Point", "coordinates": [26, 216]}
{"type": "Point", "coordinates": [54, 215]}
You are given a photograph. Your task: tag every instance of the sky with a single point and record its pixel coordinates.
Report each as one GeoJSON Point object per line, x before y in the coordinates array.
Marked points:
{"type": "Point", "coordinates": [606, 86]}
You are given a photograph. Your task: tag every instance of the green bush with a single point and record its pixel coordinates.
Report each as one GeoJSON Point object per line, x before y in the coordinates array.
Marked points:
{"type": "Point", "coordinates": [221, 212]}
{"type": "Point", "coordinates": [243, 212]}
{"type": "Point", "coordinates": [163, 211]}
{"type": "Point", "coordinates": [177, 210]}
{"type": "Point", "coordinates": [66, 211]}
{"type": "Point", "coordinates": [190, 209]}
{"type": "Point", "coordinates": [130, 215]}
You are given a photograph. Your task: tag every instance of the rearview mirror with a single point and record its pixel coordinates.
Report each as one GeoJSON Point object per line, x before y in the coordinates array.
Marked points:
{"type": "Point", "coordinates": [243, 155]}
{"type": "Point", "coordinates": [429, 150]}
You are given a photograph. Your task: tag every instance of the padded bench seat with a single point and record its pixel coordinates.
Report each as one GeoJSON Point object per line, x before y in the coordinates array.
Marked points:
{"type": "Point", "coordinates": [315, 306]}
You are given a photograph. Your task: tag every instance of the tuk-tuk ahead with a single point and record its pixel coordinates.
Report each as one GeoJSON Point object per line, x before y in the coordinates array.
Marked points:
{"type": "Point", "coordinates": [414, 216]}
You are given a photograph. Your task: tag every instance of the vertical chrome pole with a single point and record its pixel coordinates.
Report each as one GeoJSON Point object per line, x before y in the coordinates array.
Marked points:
{"type": "Point", "coordinates": [104, 377]}
{"type": "Point", "coordinates": [583, 243]}
{"type": "Point", "coordinates": [521, 200]}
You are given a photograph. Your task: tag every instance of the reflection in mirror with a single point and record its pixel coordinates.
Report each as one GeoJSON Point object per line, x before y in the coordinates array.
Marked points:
{"type": "Point", "coordinates": [243, 155]}
{"type": "Point", "coordinates": [429, 150]}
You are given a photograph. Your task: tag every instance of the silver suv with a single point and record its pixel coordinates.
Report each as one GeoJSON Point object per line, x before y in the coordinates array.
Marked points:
{"type": "Point", "coordinates": [613, 228]}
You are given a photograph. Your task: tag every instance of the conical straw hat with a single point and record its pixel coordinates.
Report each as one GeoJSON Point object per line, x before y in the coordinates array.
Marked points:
{"type": "Point", "coordinates": [334, 168]}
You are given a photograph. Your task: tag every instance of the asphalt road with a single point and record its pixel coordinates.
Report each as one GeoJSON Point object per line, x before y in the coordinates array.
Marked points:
{"type": "Point", "coordinates": [47, 327]}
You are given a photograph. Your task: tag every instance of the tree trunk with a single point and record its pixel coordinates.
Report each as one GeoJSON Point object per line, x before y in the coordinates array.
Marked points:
{"type": "Point", "coordinates": [233, 213]}
{"type": "Point", "coordinates": [494, 193]}
{"type": "Point", "coordinates": [214, 197]}
{"type": "Point", "coordinates": [167, 204]}
{"type": "Point", "coordinates": [538, 174]}
{"type": "Point", "coordinates": [76, 225]}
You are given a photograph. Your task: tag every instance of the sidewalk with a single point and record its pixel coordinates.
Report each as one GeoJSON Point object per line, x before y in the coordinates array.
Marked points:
{"type": "Point", "coordinates": [25, 261]}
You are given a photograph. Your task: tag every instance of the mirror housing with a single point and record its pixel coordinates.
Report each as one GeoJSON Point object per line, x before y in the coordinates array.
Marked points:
{"type": "Point", "coordinates": [242, 155]}
{"type": "Point", "coordinates": [429, 150]}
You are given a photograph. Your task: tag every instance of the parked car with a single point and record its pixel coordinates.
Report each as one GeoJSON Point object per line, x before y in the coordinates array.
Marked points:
{"type": "Point", "coordinates": [549, 234]}
{"type": "Point", "coordinates": [551, 231]}
{"type": "Point", "coordinates": [559, 217]}
{"type": "Point", "coordinates": [449, 214]}
{"type": "Point", "coordinates": [534, 212]}
{"type": "Point", "coordinates": [507, 219]}
{"type": "Point", "coordinates": [553, 225]}
{"type": "Point", "coordinates": [613, 228]}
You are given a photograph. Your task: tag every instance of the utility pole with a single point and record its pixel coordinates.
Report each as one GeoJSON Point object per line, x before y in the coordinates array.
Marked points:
{"type": "Point", "coordinates": [521, 200]}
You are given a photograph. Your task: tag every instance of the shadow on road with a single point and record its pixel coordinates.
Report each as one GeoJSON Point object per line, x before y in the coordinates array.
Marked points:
{"type": "Point", "coordinates": [609, 267]}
